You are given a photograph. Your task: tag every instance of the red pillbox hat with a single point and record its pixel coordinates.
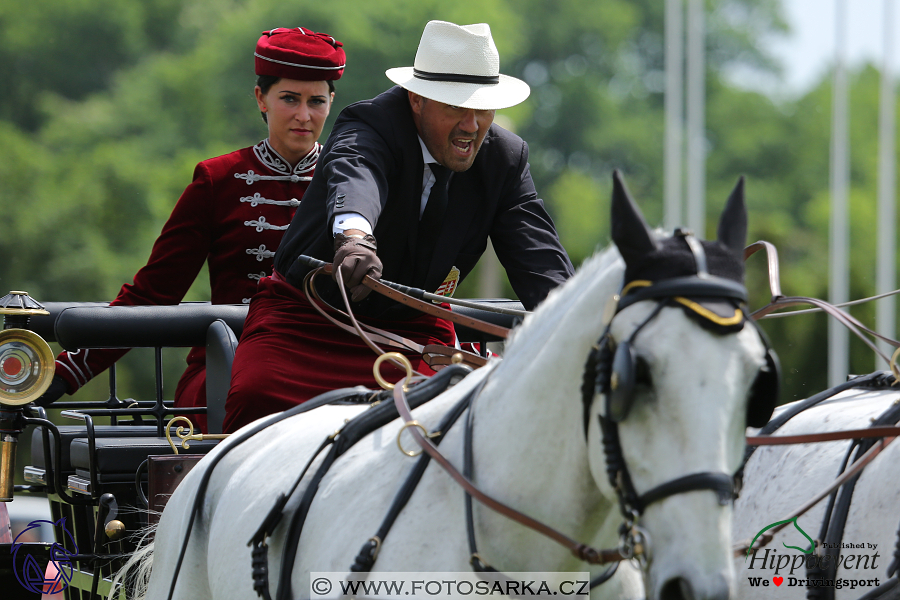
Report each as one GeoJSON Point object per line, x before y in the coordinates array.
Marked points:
{"type": "Point", "coordinates": [300, 54]}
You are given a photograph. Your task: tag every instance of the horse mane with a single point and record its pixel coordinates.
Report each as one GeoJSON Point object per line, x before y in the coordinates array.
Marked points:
{"type": "Point", "coordinates": [595, 269]}
{"type": "Point", "coordinates": [671, 259]}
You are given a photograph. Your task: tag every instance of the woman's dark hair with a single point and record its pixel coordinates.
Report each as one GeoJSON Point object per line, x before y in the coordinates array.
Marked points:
{"type": "Point", "coordinates": [265, 83]}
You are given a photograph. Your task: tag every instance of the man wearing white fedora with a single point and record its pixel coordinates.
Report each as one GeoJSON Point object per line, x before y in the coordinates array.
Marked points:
{"type": "Point", "coordinates": [410, 185]}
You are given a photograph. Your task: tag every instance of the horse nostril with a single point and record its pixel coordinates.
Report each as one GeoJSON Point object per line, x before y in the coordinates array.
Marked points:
{"type": "Point", "coordinates": [676, 588]}
{"type": "Point", "coordinates": [680, 588]}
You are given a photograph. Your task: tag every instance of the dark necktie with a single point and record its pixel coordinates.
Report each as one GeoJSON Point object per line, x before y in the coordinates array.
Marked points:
{"type": "Point", "coordinates": [430, 223]}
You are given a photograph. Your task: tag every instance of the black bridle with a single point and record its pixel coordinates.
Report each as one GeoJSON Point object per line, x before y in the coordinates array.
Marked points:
{"type": "Point", "coordinates": [602, 376]}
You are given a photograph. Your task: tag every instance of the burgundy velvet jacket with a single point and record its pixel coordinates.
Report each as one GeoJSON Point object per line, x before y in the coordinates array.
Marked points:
{"type": "Point", "coordinates": [232, 215]}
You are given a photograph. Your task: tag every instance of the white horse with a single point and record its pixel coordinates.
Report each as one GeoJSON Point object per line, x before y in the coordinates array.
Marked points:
{"type": "Point", "coordinates": [530, 450]}
{"type": "Point", "coordinates": [779, 480]}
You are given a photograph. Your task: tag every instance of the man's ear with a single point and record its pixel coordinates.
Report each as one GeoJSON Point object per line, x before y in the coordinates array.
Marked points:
{"type": "Point", "coordinates": [415, 102]}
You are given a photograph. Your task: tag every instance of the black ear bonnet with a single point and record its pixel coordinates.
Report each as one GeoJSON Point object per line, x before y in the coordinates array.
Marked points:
{"type": "Point", "coordinates": [705, 279]}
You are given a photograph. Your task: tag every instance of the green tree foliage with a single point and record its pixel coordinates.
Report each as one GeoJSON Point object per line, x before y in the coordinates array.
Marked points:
{"type": "Point", "coordinates": [107, 105]}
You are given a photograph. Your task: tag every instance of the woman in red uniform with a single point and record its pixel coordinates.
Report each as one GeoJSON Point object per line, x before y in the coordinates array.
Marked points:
{"type": "Point", "coordinates": [237, 207]}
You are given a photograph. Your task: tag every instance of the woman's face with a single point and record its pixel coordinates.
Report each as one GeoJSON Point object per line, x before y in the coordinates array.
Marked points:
{"type": "Point", "coordinates": [295, 112]}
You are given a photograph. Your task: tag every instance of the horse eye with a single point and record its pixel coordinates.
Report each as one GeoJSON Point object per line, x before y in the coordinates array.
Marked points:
{"type": "Point", "coordinates": [642, 372]}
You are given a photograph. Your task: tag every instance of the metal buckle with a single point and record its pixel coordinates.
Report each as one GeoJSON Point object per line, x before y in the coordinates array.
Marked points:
{"type": "Point", "coordinates": [634, 541]}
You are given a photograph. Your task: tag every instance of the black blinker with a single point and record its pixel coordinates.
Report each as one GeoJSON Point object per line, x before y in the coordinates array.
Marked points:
{"type": "Point", "coordinates": [621, 383]}
{"type": "Point", "coordinates": [764, 391]}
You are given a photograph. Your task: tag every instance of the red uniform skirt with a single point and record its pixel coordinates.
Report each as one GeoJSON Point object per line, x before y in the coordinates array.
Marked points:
{"type": "Point", "coordinates": [289, 353]}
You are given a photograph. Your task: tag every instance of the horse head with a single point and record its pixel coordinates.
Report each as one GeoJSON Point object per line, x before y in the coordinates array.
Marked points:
{"type": "Point", "coordinates": [680, 372]}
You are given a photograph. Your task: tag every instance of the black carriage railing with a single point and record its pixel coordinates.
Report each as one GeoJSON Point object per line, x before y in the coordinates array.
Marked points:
{"type": "Point", "coordinates": [98, 325]}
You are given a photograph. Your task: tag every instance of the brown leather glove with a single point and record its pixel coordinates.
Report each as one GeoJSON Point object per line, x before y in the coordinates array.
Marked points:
{"type": "Point", "coordinates": [356, 257]}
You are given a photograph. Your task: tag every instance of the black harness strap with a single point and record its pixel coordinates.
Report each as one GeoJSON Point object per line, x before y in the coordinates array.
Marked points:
{"type": "Point", "coordinates": [720, 483]}
{"type": "Point", "coordinates": [835, 518]}
{"type": "Point", "coordinates": [838, 507]}
{"type": "Point", "coordinates": [351, 433]}
{"type": "Point", "coordinates": [369, 552]}
{"type": "Point", "coordinates": [260, 556]}
{"type": "Point", "coordinates": [344, 394]}
{"type": "Point", "coordinates": [877, 380]}
{"type": "Point", "coordinates": [889, 590]}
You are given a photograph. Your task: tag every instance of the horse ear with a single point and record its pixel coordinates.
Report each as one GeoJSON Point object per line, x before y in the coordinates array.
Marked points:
{"type": "Point", "coordinates": [629, 229]}
{"type": "Point", "coordinates": [733, 222]}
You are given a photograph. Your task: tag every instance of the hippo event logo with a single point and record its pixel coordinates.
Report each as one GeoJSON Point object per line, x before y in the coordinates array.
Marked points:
{"type": "Point", "coordinates": [31, 575]}
{"type": "Point", "coordinates": [812, 562]}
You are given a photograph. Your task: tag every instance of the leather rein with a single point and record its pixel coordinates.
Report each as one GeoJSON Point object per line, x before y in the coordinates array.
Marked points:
{"type": "Point", "coordinates": [435, 354]}
{"type": "Point", "coordinates": [633, 539]}
{"type": "Point", "coordinates": [632, 536]}
{"type": "Point", "coordinates": [886, 433]}
{"type": "Point", "coordinates": [630, 544]}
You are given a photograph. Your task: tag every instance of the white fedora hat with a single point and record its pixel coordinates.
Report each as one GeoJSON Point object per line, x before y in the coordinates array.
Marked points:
{"type": "Point", "coordinates": [460, 65]}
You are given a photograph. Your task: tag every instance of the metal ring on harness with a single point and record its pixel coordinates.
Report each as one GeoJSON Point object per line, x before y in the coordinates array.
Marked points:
{"type": "Point", "coordinates": [893, 364]}
{"type": "Point", "coordinates": [396, 357]}
{"type": "Point", "coordinates": [377, 541]}
{"type": "Point", "coordinates": [424, 432]}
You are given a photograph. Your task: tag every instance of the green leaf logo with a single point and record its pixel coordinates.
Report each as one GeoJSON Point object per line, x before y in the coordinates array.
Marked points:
{"type": "Point", "coordinates": [812, 544]}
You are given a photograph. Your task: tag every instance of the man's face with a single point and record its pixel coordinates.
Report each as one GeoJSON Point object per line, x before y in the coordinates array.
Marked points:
{"type": "Point", "coordinates": [452, 134]}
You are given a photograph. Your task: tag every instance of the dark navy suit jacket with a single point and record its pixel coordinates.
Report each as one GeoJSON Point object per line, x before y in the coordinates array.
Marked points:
{"type": "Point", "coordinates": [372, 165]}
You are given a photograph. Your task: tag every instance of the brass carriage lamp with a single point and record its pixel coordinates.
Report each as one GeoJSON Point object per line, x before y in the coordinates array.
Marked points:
{"type": "Point", "coordinates": [26, 370]}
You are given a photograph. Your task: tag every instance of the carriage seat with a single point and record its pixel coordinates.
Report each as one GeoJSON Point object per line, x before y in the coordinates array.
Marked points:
{"type": "Point", "coordinates": [116, 459]}
{"type": "Point", "coordinates": [69, 433]}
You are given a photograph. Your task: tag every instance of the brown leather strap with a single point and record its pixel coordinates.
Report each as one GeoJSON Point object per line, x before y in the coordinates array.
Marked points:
{"type": "Point", "coordinates": [426, 307]}
{"type": "Point", "coordinates": [436, 311]}
{"type": "Point", "coordinates": [772, 261]}
{"type": "Point", "coordinates": [842, 317]}
{"type": "Point", "coordinates": [438, 355]}
{"type": "Point", "coordinates": [581, 551]}
{"type": "Point", "coordinates": [430, 353]}
{"type": "Point", "coordinates": [379, 335]}
{"type": "Point", "coordinates": [779, 300]}
{"type": "Point", "coordinates": [826, 436]}
{"type": "Point", "coordinates": [856, 467]}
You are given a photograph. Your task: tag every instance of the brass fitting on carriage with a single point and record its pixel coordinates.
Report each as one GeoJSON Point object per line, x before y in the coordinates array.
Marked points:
{"type": "Point", "coordinates": [12, 423]}
{"type": "Point", "coordinates": [26, 370]}
{"type": "Point", "coordinates": [8, 443]}
{"type": "Point", "coordinates": [187, 435]}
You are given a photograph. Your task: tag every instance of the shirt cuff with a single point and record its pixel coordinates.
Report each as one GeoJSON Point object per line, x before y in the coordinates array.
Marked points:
{"type": "Point", "coordinates": [351, 220]}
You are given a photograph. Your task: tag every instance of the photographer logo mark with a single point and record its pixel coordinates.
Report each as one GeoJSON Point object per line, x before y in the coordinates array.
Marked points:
{"type": "Point", "coordinates": [30, 574]}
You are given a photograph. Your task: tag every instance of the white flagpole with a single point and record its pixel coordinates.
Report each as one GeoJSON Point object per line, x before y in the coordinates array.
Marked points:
{"type": "Point", "coordinates": [885, 312]}
{"type": "Point", "coordinates": [696, 122]}
{"type": "Point", "coordinates": [838, 249]}
{"type": "Point", "coordinates": [674, 109]}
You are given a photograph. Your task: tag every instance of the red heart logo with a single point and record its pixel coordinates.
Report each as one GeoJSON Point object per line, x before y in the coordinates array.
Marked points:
{"type": "Point", "coordinates": [778, 580]}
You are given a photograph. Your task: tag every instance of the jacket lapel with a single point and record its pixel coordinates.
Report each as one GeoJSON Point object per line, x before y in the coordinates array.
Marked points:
{"type": "Point", "coordinates": [462, 206]}
{"type": "Point", "coordinates": [412, 211]}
